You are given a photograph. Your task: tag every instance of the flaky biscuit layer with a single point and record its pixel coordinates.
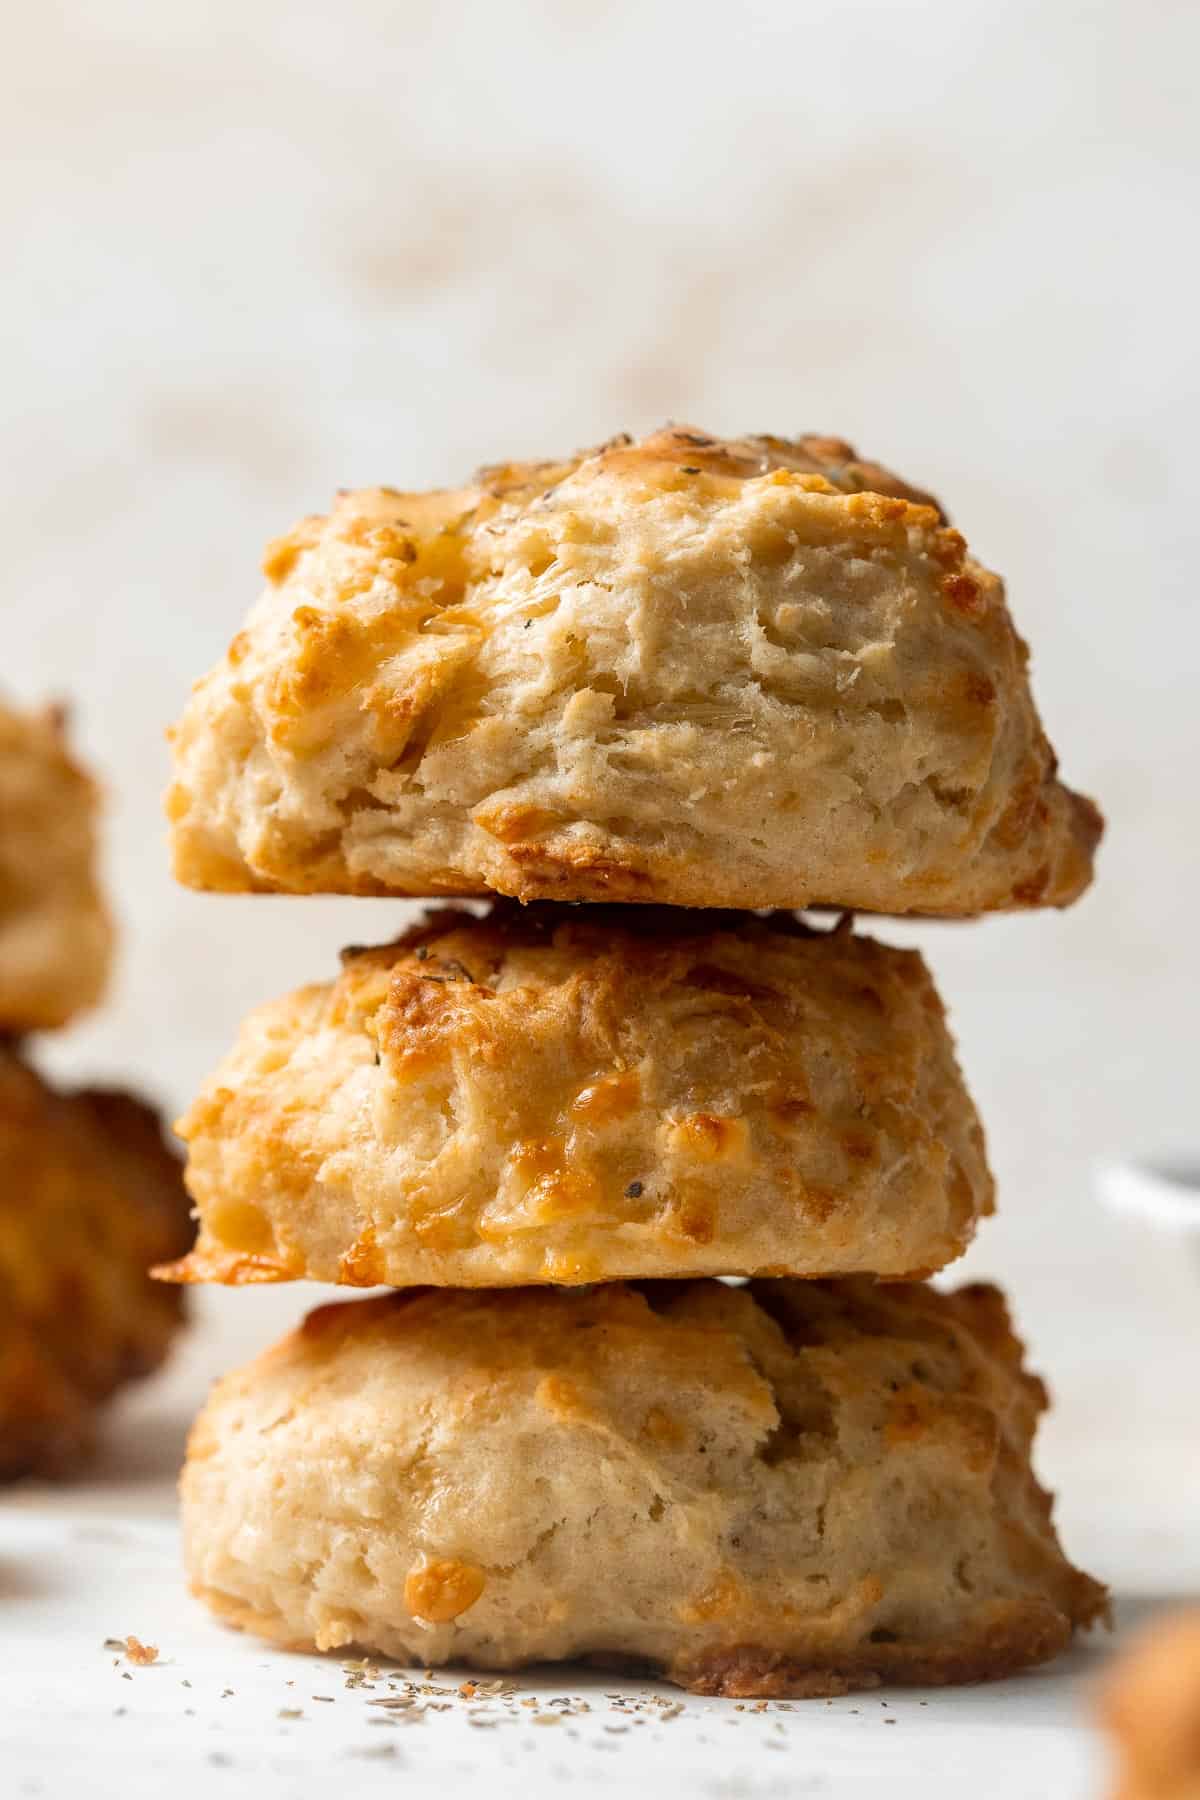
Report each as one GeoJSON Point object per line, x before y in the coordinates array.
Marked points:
{"type": "Point", "coordinates": [581, 1094]}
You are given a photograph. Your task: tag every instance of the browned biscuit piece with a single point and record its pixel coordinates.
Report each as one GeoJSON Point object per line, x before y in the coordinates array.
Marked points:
{"type": "Point", "coordinates": [56, 936]}
{"type": "Point", "coordinates": [788, 1488]}
{"type": "Point", "coordinates": [587, 1094]}
{"type": "Point", "coordinates": [90, 1196]}
{"type": "Point", "coordinates": [1151, 1707]}
{"type": "Point", "coordinates": [704, 672]}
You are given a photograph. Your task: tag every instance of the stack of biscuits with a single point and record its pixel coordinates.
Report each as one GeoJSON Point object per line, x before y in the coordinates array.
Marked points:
{"type": "Point", "coordinates": [655, 1169]}
{"type": "Point", "coordinates": [89, 1192]}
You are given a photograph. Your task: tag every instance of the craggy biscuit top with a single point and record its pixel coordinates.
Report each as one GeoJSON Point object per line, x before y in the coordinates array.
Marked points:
{"type": "Point", "coordinates": [661, 458]}
{"type": "Point", "coordinates": [55, 932]}
{"type": "Point", "coordinates": [789, 1487]}
{"type": "Point", "coordinates": [579, 1094]}
{"type": "Point", "coordinates": [687, 670]}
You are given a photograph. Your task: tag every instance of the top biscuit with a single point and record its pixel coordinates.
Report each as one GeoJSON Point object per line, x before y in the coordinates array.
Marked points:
{"type": "Point", "coordinates": [703, 672]}
{"type": "Point", "coordinates": [55, 931]}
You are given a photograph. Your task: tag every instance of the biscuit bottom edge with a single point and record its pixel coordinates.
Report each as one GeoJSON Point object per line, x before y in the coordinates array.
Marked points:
{"type": "Point", "coordinates": [1024, 1639]}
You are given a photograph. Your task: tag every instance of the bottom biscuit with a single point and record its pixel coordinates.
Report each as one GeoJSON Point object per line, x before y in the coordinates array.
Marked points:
{"type": "Point", "coordinates": [786, 1488]}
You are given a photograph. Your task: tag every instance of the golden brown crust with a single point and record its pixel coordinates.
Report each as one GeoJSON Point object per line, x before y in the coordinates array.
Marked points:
{"type": "Point", "coordinates": [692, 671]}
{"type": "Point", "coordinates": [1017, 1635]}
{"type": "Point", "coordinates": [56, 935]}
{"type": "Point", "coordinates": [583, 1094]}
{"type": "Point", "coordinates": [1151, 1708]}
{"type": "Point", "coordinates": [682, 451]}
{"type": "Point", "coordinates": [787, 1488]}
{"type": "Point", "coordinates": [90, 1195]}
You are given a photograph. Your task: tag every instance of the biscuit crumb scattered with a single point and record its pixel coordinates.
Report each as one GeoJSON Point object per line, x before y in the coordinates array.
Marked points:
{"type": "Point", "coordinates": [141, 1654]}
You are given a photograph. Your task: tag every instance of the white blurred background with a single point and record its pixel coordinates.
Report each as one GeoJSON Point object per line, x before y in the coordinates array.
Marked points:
{"type": "Point", "coordinates": [258, 251]}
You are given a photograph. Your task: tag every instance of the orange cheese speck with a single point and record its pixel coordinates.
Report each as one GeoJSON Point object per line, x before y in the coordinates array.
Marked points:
{"type": "Point", "coordinates": [709, 1138]}
{"type": "Point", "coordinates": [441, 1591]}
{"type": "Point", "coordinates": [612, 1097]}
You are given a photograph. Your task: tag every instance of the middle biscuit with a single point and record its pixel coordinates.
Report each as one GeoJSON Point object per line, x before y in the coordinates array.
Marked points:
{"type": "Point", "coordinates": [551, 1094]}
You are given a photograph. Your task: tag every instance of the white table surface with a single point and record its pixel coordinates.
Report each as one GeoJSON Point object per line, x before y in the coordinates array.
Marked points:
{"type": "Point", "coordinates": [99, 1559]}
